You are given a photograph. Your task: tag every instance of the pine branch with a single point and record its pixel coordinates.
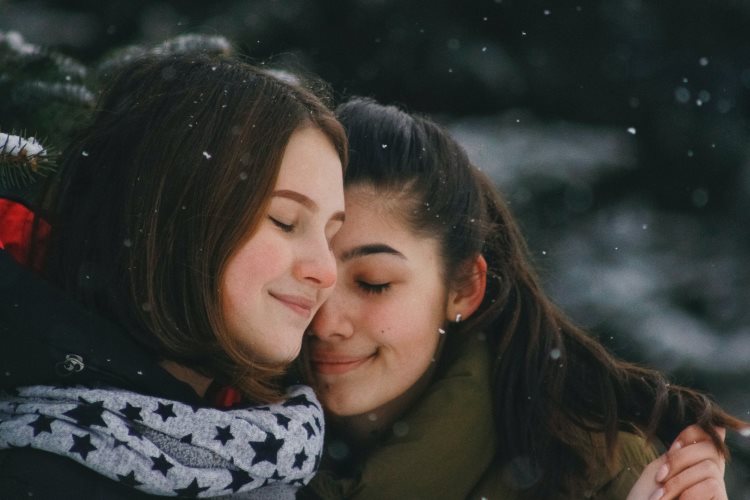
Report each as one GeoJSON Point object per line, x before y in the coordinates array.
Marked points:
{"type": "Point", "coordinates": [183, 44]}
{"type": "Point", "coordinates": [22, 161]}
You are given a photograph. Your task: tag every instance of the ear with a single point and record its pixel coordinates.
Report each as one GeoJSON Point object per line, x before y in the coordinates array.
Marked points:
{"type": "Point", "coordinates": [468, 293]}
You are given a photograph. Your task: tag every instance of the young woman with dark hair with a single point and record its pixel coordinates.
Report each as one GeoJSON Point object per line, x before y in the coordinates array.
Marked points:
{"type": "Point", "coordinates": [195, 213]}
{"type": "Point", "coordinates": [447, 372]}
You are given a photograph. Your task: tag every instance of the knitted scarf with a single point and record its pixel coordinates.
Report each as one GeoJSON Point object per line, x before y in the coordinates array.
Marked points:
{"type": "Point", "coordinates": [166, 447]}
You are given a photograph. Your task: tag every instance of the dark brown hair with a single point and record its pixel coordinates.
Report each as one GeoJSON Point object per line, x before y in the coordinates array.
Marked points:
{"type": "Point", "coordinates": [173, 174]}
{"type": "Point", "coordinates": [540, 398]}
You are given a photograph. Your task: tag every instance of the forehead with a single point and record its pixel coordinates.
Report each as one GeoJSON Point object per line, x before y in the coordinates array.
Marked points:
{"type": "Point", "coordinates": [380, 216]}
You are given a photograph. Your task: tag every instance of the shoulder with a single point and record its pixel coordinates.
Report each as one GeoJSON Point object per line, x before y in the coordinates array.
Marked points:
{"type": "Point", "coordinates": [605, 480]}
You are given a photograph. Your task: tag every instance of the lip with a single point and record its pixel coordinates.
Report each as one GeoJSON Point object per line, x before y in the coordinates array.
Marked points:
{"type": "Point", "coordinates": [326, 364]}
{"type": "Point", "coordinates": [297, 303]}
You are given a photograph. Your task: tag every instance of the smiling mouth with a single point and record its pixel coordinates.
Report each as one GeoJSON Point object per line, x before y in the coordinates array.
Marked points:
{"type": "Point", "coordinates": [300, 305]}
{"type": "Point", "coordinates": [337, 366]}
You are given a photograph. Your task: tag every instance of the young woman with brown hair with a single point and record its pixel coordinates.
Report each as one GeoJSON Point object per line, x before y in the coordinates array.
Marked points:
{"type": "Point", "coordinates": [195, 213]}
{"type": "Point", "coordinates": [447, 372]}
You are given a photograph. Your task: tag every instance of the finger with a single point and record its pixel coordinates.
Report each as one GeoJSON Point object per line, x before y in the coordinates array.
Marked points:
{"type": "Point", "coordinates": [681, 459]}
{"type": "Point", "coordinates": [705, 471]}
{"type": "Point", "coordinates": [694, 434]}
{"type": "Point", "coordinates": [710, 489]}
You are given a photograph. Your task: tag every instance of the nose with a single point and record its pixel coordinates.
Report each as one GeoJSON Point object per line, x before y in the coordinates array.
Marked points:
{"type": "Point", "coordinates": [317, 265]}
{"type": "Point", "coordinates": [333, 321]}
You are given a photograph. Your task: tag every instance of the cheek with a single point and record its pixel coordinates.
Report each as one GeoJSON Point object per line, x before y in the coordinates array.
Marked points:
{"type": "Point", "coordinates": [409, 330]}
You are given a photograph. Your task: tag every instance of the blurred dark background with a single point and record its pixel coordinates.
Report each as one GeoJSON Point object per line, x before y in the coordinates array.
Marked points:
{"type": "Point", "coordinates": [618, 130]}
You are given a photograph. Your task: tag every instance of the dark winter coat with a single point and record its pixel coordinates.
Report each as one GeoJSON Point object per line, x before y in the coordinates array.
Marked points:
{"type": "Point", "coordinates": [445, 444]}
{"type": "Point", "coordinates": [49, 339]}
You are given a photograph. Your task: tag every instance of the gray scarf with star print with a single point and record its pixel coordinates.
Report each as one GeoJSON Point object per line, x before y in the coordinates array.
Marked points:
{"type": "Point", "coordinates": [166, 447]}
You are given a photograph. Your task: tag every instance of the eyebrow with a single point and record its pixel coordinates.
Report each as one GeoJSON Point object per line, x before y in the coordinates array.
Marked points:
{"type": "Point", "coordinates": [305, 201]}
{"type": "Point", "coordinates": [364, 250]}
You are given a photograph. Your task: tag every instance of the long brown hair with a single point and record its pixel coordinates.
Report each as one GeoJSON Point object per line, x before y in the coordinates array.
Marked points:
{"type": "Point", "coordinates": [173, 174]}
{"type": "Point", "coordinates": [551, 380]}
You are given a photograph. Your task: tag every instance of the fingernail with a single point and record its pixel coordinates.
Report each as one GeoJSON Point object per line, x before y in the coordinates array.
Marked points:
{"type": "Point", "coordinates": [657, 494]}
{"type": "Point", "coordinates": [676, 446]}
{"type": "Point", "coordinates": [663, 471]}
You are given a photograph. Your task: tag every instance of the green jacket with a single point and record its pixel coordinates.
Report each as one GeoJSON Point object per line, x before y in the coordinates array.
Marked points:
{"type": "Point", "coordinates": [446, 443]}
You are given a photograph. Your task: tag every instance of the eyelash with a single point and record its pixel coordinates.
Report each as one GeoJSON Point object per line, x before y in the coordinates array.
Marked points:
{"type": "Point", "coordinates": [287, 228]}
{"type": "Point", "coordinates": [372, 288]}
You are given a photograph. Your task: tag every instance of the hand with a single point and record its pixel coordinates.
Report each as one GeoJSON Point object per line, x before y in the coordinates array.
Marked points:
{"type": "Point", "coordinates": [692, 469]}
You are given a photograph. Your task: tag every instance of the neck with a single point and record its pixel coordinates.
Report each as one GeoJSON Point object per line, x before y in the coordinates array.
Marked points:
{"type": "Point", "coordinates": [197, 381]}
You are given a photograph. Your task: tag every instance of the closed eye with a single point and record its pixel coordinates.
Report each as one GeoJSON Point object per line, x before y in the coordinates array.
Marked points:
{"type": "Point", "coordinates": [287, 228]}
{"type": "Point", "coordinates": [373, 288]}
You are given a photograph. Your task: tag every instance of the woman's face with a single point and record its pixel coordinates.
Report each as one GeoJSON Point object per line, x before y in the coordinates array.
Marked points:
{"type": "Point", "coordinates": [378, 333]}
{"type": "Point", "coordinates": [277, 279]}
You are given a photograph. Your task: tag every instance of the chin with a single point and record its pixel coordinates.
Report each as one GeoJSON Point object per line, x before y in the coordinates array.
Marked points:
{"type": "Point", "coordinates": [344, 407]}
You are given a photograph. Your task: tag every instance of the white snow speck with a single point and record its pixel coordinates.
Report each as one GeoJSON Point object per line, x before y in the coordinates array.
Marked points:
{"type": "Point", "coordinates": [441, 331]}
{"type": "Point", "coordinates": [745, 432]}
{"type": "Point", "coordinates": [547, 12]}
{"type": "Point", "coordinates": [384, 146]}
{"type": "Point", "coordinates": [400, 429]}
{"type": "Point", "coordinates": [555, 353]}
{"type": "Point", "coordinates": [631, 130]}
{"type": "Point", "coordinates": [703, 61]}
{"type": "Point", "coordinates": [207, 155]}
{"type": "Point", "coordinates": [127, 243]}
{"type": "Point", "coordinates": [681, 94]}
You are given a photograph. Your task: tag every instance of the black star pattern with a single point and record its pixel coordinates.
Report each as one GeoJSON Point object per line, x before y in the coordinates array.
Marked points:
{"type": "Point", "coordinates": [309, 429]}
{"type": "Point", "coordinates": [317, 462]}
{"type": "Point", "coordinates": [129, 479]}
{"type": "Point", "coordinates": [239, 479]}
{"type": "Point", "coordinates": [87, 414]}
{"type": "Point", "coordinates": [299, 459]}
{"type": "Point", "coordinates": [82, 445]}
{"type": "Point", "coordinates": [41, 424]}
{"type": "Point", "coordinates": [120, 443]}
{"type": "Point", "coordinates": [299, 481]}
{"type": "Point", "coordinates": [188, 438]}
{"type": "Point", "coordinates": [317, 423]}
{"type": "Point", "coordinates": [282, 420]}
{"type": "Point", "coordinates": [300, 400]}
{"type": "Point", "coordinates": [266, 451]}
{"type": "Point", "coordinates": [165, 411]}
{"type": "Point", "coordinates": [277, 476]}
{"type": "Point", "coordinates": [161, 464]}
{"type": "Point", "coordinates": [192, 490]}
{"type": "Point", "coordinates": [223, 434]}
{"type": "Point", "coordinates": [133, 431]}
{"type": "Point", "coordinates": [132, 412]}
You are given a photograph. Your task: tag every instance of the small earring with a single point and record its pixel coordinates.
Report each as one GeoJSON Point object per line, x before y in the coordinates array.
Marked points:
{"type": "Point", "coordinates": [458, 318]}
